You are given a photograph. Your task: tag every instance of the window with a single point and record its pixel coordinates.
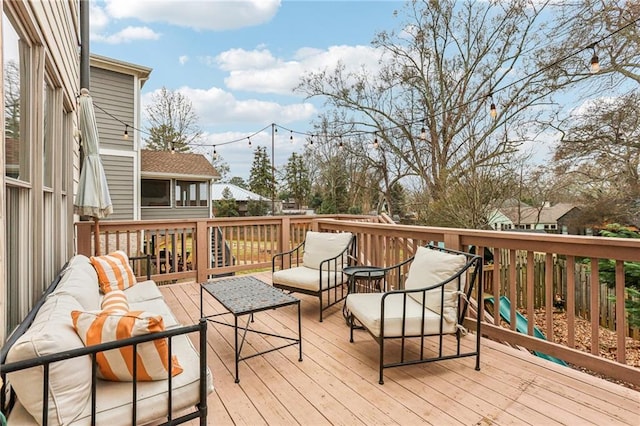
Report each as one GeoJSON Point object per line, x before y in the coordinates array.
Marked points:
{"type": "Point", "coordinates": [16, 148]}
{"type": "Point", "coordinates": [155, 193]}
{"type": "Point", "coordinates": [192, 194]}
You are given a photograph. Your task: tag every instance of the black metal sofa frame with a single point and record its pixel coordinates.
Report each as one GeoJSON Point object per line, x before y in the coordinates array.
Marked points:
{"type": "Point", "coordinates": [8, 397]}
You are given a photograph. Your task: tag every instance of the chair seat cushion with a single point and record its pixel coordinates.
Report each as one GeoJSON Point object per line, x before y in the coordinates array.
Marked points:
{"type": "Point", "coordinates": [366, 307]}
{"type": "Point", "coordinates": [308, 279]}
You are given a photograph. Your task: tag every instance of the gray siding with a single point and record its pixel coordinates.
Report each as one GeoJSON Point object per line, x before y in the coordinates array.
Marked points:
{"type": "Point", "coordinates": [119, 171]}
{"type": "Point", "coordinates": [114, 93]}
{"type": "Point", "coordinates": [149, 213]}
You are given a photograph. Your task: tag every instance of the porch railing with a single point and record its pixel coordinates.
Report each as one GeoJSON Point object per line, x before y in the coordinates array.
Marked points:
{"type": "Point", "coordinates": [253, 241]}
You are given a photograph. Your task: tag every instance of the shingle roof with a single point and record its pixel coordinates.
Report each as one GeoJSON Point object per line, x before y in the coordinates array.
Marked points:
{"type": "Point", "coordinates": [529, 215]}
{"type": "Point", "coordinates": [238, 194]}
{"type": "Point", "coordinates": [176, 163]}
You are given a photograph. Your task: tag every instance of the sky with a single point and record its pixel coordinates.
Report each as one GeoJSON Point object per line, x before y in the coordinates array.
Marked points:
{"type": "Point", "coordinates": [239, 61]}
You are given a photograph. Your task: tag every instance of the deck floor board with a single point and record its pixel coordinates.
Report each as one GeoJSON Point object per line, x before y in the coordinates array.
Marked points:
{"type": "Point", "coordinates": [337, 381]}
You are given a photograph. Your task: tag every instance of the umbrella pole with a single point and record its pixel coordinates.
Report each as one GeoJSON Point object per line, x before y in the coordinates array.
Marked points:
{"type": "Point", "coordinates": [96, 236]}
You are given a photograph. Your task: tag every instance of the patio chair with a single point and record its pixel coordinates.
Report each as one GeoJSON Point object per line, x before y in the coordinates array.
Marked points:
{"type": "Point", "coordinates": [431, 301]}
{"type": "Point", "coordinates": [315, 267]}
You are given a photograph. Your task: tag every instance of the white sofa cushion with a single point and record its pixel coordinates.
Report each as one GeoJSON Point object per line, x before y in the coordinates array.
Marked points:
{"type": "Point", "coordinates": [307, 279]}
{"type": "Point", "coordinates": [69, 380]}
{"type": "Point", "coordinates": [143, 291]}
{"type": "Point", "coordinates": [319, 246]}
{"type": "Point", "coordinates": [80, 280]}
{"type": "Point", "coordinates": [430, 267]}
{"type": "Point", "coordinates": [367, 308]}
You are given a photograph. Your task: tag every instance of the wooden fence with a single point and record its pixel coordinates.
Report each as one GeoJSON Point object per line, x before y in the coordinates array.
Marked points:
{"type": "Point", "coordinates": [582, 292]}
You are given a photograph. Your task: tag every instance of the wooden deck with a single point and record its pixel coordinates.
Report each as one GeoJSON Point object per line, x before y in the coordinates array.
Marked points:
{"type": "Point", "coordinates": [337, 381]}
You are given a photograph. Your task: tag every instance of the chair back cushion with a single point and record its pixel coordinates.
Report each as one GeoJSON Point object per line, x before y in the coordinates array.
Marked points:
{"type": "Point", "coordinates": [430, 267]}
{"type": "Point", "coordinates": [319, 246]}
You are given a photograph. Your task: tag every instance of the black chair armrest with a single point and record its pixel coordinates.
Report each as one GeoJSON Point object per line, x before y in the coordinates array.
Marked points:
{"type": "Point", "coordinates": [133, 260]}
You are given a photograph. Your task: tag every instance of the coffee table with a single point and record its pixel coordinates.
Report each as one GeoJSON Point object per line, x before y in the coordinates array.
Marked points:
{"type": "Point", "coordinates": [248, 296]}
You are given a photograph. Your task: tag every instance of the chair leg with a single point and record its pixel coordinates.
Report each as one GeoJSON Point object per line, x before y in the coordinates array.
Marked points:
{"type": "Point", "coordinates": [381, 381]}
{"type": "Point", "coordinates": [350, 319]}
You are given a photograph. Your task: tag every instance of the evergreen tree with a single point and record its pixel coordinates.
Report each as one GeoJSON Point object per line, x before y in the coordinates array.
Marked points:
{"type": "Point", "coordinates": [226, 207]}
{"type": "Point", "coordinates": [261, 180]}
{"type": "Point", "coordinates": [297, 179]}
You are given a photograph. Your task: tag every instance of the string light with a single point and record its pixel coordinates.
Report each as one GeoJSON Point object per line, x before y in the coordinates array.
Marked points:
{"type": "Point", "coordinates": [340, 145]}
{"type": "Point", "coordinates": [375, 141]}
{"type": "Point", "coordinates": [423, 132]}
{"type": "Point", "coordinates": [215, 154]}
{"type": "Point", "coordinates": [173, 148]}
{"type": "Point", "coordinates": [595, 62]}
{"type": "Point", "coordinates": [249, 141]}
{"type": "Point", "coordinates": [493, 112]}
{"type": "Point", "coordinates": [125, 135]}
{"type": "Point", "coordinates": [594, 67]}
{"type": "Point", "coordinates": [291, 137]}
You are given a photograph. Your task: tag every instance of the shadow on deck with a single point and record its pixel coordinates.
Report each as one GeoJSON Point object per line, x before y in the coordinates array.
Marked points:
{"type": "Point", "coordinates": [336, 383]}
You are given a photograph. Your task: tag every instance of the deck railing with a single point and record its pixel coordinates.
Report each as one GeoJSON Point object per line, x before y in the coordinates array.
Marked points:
{"type": "Point", "coordinates": [249, 244]}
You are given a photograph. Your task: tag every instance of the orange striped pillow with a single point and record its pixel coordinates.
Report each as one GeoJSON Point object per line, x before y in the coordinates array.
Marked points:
{"type": "Point", "coordinates": [115, 300]}
{"type": "Point", "coordinates": [117, 364]}
{"type": "Point", "coordinates": [114, 272]}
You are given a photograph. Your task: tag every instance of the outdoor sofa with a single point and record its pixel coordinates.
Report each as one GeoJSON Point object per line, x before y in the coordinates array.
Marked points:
{"type": "Point", "coordinates": [46, 354]}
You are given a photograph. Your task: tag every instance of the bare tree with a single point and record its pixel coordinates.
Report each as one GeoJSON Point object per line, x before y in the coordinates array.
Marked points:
{"type": "Point", "coordinates": [605, 29]}
{"type": "Point", "coordinates": [601, 146]}
{"type": "Point", "coordinates": [440, 72]}
{"type": "Point", "coordinates": [173, 125]}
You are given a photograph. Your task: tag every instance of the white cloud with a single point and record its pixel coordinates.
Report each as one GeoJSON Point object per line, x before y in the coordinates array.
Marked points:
{"type": "Point", "coordinates": [201, 14]}
{"type": "Point", "coordinates": [128, 35]}
{"type": "Point", "coordinates": [183, 59]}
{"type": "Point", "coordinates": [215, 106]}
{"type": "Point", "coordinates": [259, 71]}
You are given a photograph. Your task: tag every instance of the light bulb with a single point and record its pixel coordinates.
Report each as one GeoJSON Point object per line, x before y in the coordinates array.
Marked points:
{"type": "Point", "coordinates": [125, 135]}
{"type": "Point", "coordinates": [493, 112]}
{"type": "Point", "coordinates": [595, 63]}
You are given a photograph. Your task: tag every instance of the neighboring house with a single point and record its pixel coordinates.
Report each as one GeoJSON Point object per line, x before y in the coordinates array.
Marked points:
{"type": "Point", "coordinates": [557, 218]}
{"type": "Point", "coordinates": [175, 185]}
{"type": "Point", "coordinates": [41, 162]}
{"type": "Point", "coordinates": [240, 195]}
{"type": "Point", "coordinates": [115, 89]}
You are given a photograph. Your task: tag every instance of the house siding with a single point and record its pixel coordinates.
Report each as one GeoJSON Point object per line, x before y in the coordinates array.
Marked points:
{"type": "Point", "coordinates": [150, 213]}
{"type": "Point", "coordinates": [113, 95]}
{"type": "Point", "coordinates": [120, 178]}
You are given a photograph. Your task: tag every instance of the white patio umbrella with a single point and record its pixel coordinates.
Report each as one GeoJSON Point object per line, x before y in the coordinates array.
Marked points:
{"type": "Point", "coordinates": [93, 197]}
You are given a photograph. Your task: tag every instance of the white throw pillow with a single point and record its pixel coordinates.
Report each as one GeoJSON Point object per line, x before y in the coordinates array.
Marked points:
{"type": "Point", "coordinates": [430, 267]}
{"type": "Point", "coordinates": [319, 246]}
